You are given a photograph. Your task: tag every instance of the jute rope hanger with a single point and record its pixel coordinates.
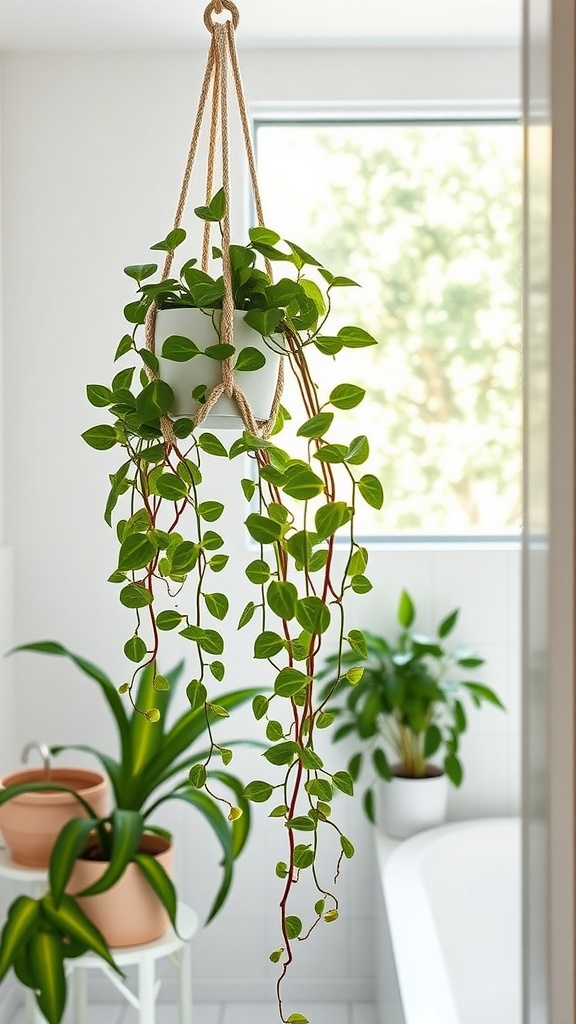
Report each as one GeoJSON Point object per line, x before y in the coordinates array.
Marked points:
{"type": "Point", "coordinates": [222, 58]}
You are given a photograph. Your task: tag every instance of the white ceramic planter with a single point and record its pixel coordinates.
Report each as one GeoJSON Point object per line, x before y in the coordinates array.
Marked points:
{"type": "Point", "coordinates": [259, 386]}
{"type": "Point", "coordinates": [407, 806]}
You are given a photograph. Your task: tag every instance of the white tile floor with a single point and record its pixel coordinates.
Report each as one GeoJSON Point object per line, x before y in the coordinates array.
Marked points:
{"type": "Point", "coordinates": [234, 1013]}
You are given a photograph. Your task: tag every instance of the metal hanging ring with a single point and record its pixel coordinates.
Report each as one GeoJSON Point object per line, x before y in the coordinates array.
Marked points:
{"type": "Point", "coordinates": [215, 7]}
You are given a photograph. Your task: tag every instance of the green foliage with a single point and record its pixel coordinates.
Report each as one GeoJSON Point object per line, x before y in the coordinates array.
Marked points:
{"type": "Point", "coordinates": [400, 700]}
{"type": "Point", "coordinates": [301, 497]}
{"type": "Point", "coordinates": [154, 758]}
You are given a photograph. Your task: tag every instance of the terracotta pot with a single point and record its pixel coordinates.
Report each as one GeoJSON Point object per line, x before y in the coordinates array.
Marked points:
{"type": "Point", "coordinates": [31, 822]}
{"type": "Point", "coordinates": [407, 806]}
{"type": "Point", "coordinates": [130, 913]}
{"type": "Point", "coordinates": [259, 386]}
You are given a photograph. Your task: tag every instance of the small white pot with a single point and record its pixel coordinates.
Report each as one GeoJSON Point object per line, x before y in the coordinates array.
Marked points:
{"type": "Point", "coordinates": [406, 806]}
{"type": "Point", "coordinates": [259, 386]}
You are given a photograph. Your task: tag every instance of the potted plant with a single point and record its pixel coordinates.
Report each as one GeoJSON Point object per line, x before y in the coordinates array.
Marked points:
{"type": "Point", "coordinates": [300, 495]}
{"type": "Point", "coordinates": [406, 708]}
{"type": "Point", "coordinates": [95, 855]}
{"type": "Point", "coordinates": [31, 821]}
{"type": "Point", "coordinates": [193, 341]}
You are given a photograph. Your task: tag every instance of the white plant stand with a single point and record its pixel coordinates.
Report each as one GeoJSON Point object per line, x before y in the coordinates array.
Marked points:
{"type": "Point", "coordinates": [172, 946]}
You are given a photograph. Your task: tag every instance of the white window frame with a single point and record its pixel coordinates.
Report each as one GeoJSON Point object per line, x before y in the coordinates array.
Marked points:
{"type": "Point", "coordinates": [507, 111]}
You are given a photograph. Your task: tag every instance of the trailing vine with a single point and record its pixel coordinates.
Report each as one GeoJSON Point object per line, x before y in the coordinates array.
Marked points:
{"type": "Point", "coordinates": [301, 497]}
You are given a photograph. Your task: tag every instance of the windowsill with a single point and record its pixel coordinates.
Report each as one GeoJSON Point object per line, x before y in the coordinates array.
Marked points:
{"type": "Point", "coordinates": [439, 543]}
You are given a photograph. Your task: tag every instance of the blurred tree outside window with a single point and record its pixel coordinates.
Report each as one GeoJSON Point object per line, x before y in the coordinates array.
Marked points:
{"type": "Point", "coordinates": [426, 216]}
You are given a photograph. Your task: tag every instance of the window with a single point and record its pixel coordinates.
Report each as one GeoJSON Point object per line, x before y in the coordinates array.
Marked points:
{"type": "Point", "coordinates": [427, 216]}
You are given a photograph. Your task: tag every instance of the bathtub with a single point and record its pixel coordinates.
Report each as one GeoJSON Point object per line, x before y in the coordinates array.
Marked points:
{"type": "Point", "coordinates": [452, 903]}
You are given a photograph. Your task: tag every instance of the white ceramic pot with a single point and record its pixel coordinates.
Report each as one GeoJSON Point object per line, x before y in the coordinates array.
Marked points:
{"type": "Point", "coordinates": [406, 806]}
{"type": "Point", "coordinates": [259, 386]}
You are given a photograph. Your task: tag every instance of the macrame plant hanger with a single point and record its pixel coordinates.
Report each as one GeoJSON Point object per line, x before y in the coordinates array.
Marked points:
{"type": "Point", "coordinates": [222, 58]}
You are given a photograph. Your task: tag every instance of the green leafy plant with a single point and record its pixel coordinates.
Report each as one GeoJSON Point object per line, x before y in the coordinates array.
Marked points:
{"type": "Point", "coordinates": [299, 496]}
{"type": "Point", "coordinates": [151, 769]}
{"type": "Point", "coordinates": [265, 303]}
{"type": "Point", "coordinates": [403, 700]}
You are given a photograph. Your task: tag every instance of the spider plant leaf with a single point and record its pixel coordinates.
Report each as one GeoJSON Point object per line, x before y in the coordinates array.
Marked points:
{"type": "Point", "coordinates": [22, 969]}
{"type": "Point", "coordinates": [110, 766]}
{"type": "Point", "coordinates": [10, 792]}
{"type": "Point", "coordinates": [109, 691]}
{"type": "Point", "coordinates": [198, 757]}
{"type": "Point", "coordinates": [182, 735]}
{"type": "Point", "coordinates": [22, 920]}
{"type": "Point", "coordinates": [127, 828]}
{"type": "Point", "coordinates": [223, 832]}
{"type": "Point", "coordinates": [241, 826]}
{"type": "Point", "coordinates": [160, 882]}
{"type": "Point", "coordinates": [146, 737]}
{"type": "Point", "coordinates": [71, 921]}
{"type": "Point", "coordinates": [47, 964]}
{"type": "Point", "coordinates": [70, 843]}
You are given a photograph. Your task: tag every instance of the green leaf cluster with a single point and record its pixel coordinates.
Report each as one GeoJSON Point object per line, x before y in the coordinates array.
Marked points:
{"type": "Point", "coordinates": [38, 937]}
{"type": "Point", "coordinates": [403, 699]}
{"type": "Point", "coordinates": [266, 303]}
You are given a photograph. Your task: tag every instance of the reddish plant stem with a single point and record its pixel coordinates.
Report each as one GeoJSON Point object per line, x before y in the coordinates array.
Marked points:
{"type": "Point", "coordinates": [303, 717]}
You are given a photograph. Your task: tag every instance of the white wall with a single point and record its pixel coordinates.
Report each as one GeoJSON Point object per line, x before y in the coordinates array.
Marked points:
{"type": "Point", "coordinates": [93, 147]}
{"type": "Point", "coordinates": [7, 750]}
{"type": "Point", "coordinates": [7, 718]}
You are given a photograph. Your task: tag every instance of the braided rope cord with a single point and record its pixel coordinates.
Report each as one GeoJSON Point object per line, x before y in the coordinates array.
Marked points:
{"type": "Point", "coordinates": [222, 56]}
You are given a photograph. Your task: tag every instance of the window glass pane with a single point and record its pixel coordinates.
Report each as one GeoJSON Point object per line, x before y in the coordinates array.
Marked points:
{"type": "Point", "coordinates": [426, 217]}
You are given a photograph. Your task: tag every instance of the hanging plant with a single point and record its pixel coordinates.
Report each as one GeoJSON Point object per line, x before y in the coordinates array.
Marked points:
{"type": "Point", "coordinates": [301, 494]}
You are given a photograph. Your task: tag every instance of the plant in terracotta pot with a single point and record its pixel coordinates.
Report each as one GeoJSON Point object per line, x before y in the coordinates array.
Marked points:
{"type": "Point", "coordinates": [31, 821]}
{"type": "Point", "coordinates": [406, 710]}
{"type": "Point", "coordinates": [95, 855]}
